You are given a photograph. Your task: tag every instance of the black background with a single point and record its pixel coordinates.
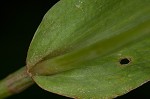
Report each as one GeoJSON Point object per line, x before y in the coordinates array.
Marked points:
{"type": "Point", "coordinates": [18, 22]}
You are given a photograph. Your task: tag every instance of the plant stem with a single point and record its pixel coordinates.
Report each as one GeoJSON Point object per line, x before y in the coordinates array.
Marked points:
{"type": "Point", "coordinates": [15, 83]}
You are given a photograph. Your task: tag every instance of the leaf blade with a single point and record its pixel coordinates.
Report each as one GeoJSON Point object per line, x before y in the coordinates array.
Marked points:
{"type": "Point", "coordinates": [83, 26]}
{"type": "Point", "coordinates": [59, 35]}
{"type": "Point", "coordinates": [103, 77]}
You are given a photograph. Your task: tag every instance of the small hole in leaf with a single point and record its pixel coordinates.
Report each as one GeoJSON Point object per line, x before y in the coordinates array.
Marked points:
{"type": "Point", "coordinates": [124, 61]}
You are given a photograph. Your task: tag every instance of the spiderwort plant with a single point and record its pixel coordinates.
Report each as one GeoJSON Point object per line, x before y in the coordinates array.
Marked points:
{"type": "Point", "coordinates": [88, 49]}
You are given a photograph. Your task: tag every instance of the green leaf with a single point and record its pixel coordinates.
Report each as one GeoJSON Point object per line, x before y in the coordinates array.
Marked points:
{"type": "Point", "coordinates": [79, 44]}
{"type": "Point", "coordinates": [105, 77]}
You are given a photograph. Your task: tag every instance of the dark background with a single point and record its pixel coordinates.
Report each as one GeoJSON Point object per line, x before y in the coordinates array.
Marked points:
{"type": "Point", "coordinates": [18, 23]}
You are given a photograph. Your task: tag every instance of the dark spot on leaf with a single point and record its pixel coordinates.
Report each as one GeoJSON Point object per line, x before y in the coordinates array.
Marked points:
{"type": "Point", "coordinates": [124, 61]}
